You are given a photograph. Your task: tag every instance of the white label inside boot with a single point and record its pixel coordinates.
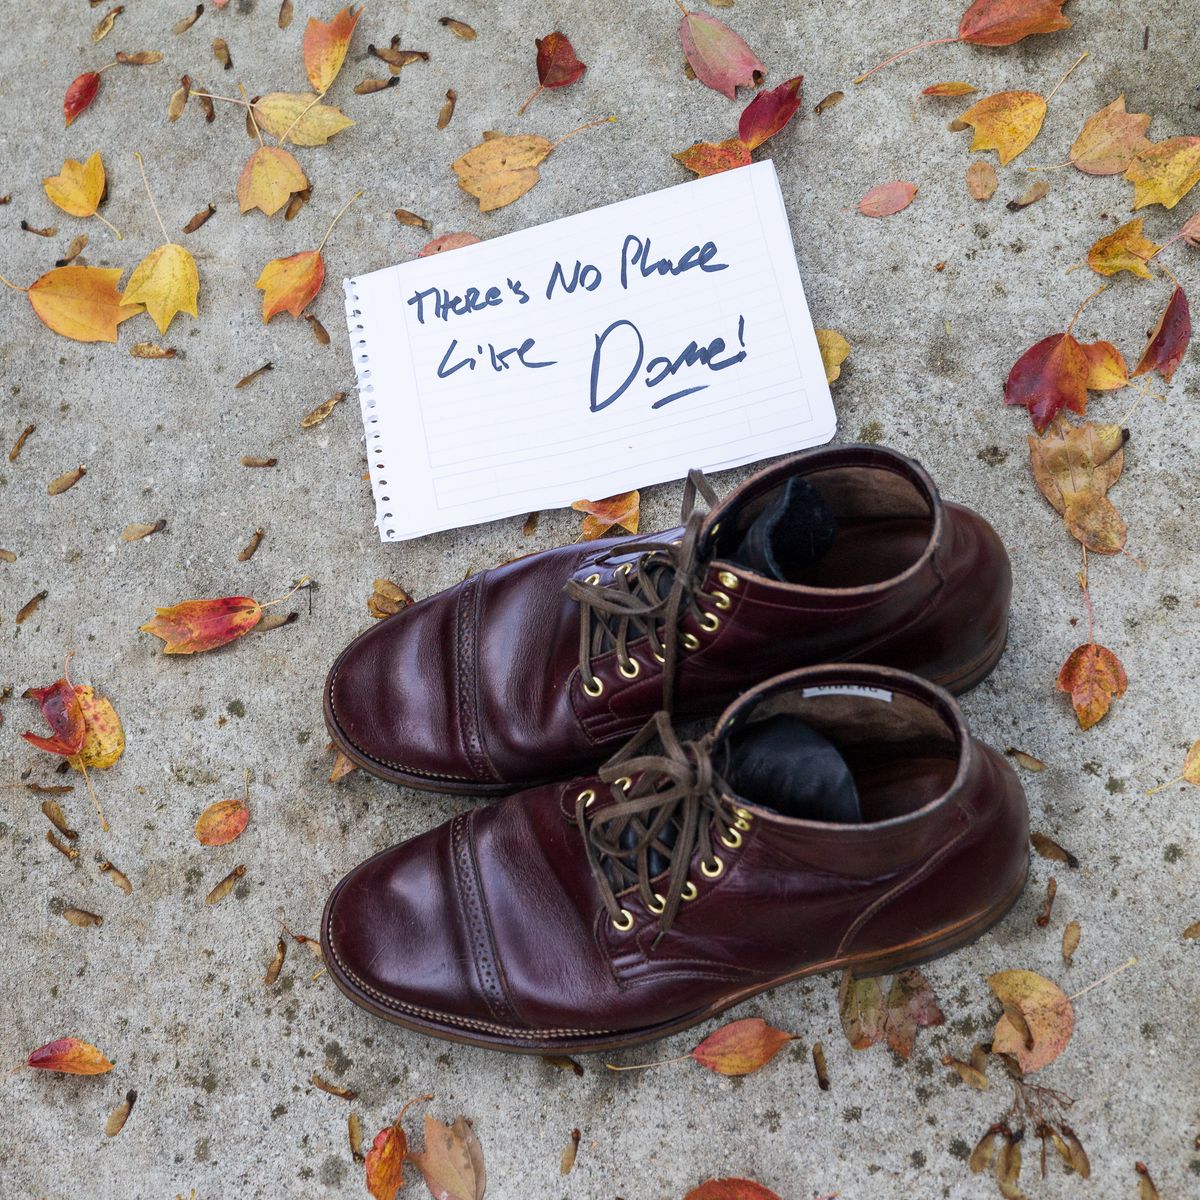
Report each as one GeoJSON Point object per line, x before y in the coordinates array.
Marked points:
{"type": "Point", "coordinates": [849, 689]}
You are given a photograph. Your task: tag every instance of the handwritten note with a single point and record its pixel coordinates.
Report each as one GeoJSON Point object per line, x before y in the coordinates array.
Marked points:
{"type": "Point", "coordinates": [585, 357]}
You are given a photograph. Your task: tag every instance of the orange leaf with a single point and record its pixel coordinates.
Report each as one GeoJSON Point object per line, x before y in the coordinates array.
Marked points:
{"type": "Point", "coordinates": [290, 284]}
{"type": "Point", "coordinates": [70, 1056]}
{"type": "Point", "coordinates": [887, 199]}
{"type": "Point", "coordinates": [1050, 376]}
{"type": "Point", "coordinates": [1044, 1010]}
{"type": "Point", "coordinates": [325, 47]}
{"type": "Point", "coordinates": [452, 1161]}
{"type": "Point", "coordinates": [60, 706]}
{"type": "Point", "coordinates": [269, 179]}
{"type": "Point", "coordinates": [711, 158]}
{"type": "Point", "coordinates": [731, 1189]}
{"type": "Point", "coordinates": [195, 625]}
{"type": "Point", "coordinates": [222, 822]}
{"type": "Point", "coordinates": [502, 168]}
{"type": "Point", "coordinates": [81, 303]}
{"type": "Point", "coordinates": [1093, 677]}
{"type": "Point", "coordinates": [952, 88]}
{"type": "Point", "coordinates": [448, 241]}
{"type": "Point", "coordinates": [1125, 249]}
{"type": "Point", "coordinates": [1003, 22]}
{"type": "Point", "coordinates": [602, 515]}
{"type": "Point", "coordinates": [1110, 140]}
{"type": "Point", "coordinates": [1006, 122]}
{"type": "Point", "coordinates": [1106, 366]}
{"type": "Point", "coordinates": [741, 1047]}
{"type": "Point", "coordinates": [1169, 341]}
{"type": "Point", "coordinates": [385, 1162]}
{"type": "Point", "coordinates": [80, 94]}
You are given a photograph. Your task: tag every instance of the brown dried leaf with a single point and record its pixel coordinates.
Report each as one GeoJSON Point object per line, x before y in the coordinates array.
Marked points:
{"type": "Point", "coordinates": [247, 552]}
{"type": "Point", "coordinates": [139, 58]}
{"type": "Point", "coordinates": [246, 380]}
{"type": "Point", "coordinates": [984, 1155]}
{"type": "Point", "coordinates": [106, 23]}
{"type": "Point", "coordinates": [1049, 848]}
{"type": "Point", "coordinates": [199, 219]}
{"type": "Point", "coordinates": [1146, 1188]}
{"type": "Point", "coordinates": [276, 963]}
{"type": "Point", "coordinates": [19, 444]}
{"type": "Point", "coordinates": [285, 14]}
{"type": "Point", "coordinates": [185, 23]}
{"type": "Point", "coordinates": [971, 1075]}
{"type": "Point", "coordinates": [65, 481]}
{"type": "Point", "coordinates": [1032, 194]}
{"type": "Point", "coordinates": [322, 410]}
{"type": "Point", "coordinates": [220, 49]}
{"type": "Point", "coordinates": [1043, 1008]}
{"type": "Point", "coordinates": [452, 1160]}
{"type": "Point", "coordinates": [353, 1121]}
{"type": "Point", "coordinates": [137, 531]}
{"type": "Point", "coordinates": [830, 101]}
{"type": "Point", "coordinates": [562, 1063]}
{"type": "Point", "coordinates": [30, 607]}
{"type": "Point", "coordinates": [257, 460]}
{"type": "Point", "coordinates": [332, 1088]}
{"type": "Point", "coordinates": [447, 110]}
{"type": "Point", "coordinates": [179, 99]}
{"type": "Point", "coordinates": [407, 217]}
{"type": "Point", "coordinates": [150, 350]}
{"type": "Point", "coordinates": [319, 331]}
{"type": "Point", "coordinates": [48, 231]}
{"type": "Point", "coordinates": [61, 846]}
{"type": "Point", "coordinates": [818, 1057]}
{"type": "Point", "coordinates": [82, 918]}
{"type": "Point", "coordinates": [1026, 760]}
{"type": "Point", "coordinates": [1070, 941]}
{"type": "Point", "coordinates": [1043, 918]}
{"type": "Point", "coordinates": [568, 1155]}
{"type": "Point", "coordinates": [74, 250]}
{"type": "Point", "coordinates": [7, 556]}
{"type": "Point", "coordinates": [373, 84]}
{"type": "Point", "coordinates": [52, 811]}
{"type": "Point", "coordinates": [459, 28]}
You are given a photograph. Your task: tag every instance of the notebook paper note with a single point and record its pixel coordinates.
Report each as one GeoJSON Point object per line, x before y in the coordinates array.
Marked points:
{"type": "Point", "coordinates": [589, 356]}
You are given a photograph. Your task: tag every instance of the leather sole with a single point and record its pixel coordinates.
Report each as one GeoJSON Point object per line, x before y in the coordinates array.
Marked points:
{"type": "Point", "coordinates": [892, 959]}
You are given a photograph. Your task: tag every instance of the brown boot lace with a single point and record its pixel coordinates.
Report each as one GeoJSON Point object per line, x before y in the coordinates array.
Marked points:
{"type": "Point", "coordinates": [644, 598]}
{"type": "Point", "coordinates": [667, 805]}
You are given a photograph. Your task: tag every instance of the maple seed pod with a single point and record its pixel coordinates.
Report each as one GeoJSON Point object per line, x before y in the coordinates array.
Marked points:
{"type": "Point", "coordinates": [276, 964]}
{"type": "Point", "coordinates": [984, 1154]}
{"type": "Point", "coordinates": [818, 1057]}
{"type": "Point", "coordinates": [60, 845]}
{"type": "Point", "coordinates": [354, 1130]}
{"type": "Point", "coordinates": [225, 886]}
{"type": "Point", "coordinates": [120, 1114]}
{"type": "Point", "coordinates": [82, 918]}
{"type": "Point", "coordinates": [119, 878]}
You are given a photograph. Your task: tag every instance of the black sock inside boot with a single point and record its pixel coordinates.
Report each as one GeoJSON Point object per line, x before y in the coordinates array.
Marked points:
{"type": "Point", "coordinates": [789, 535]}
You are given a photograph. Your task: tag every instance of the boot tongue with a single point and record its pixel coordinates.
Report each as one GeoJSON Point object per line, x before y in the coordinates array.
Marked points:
{"type": "Point", "coordinates": [790, 534]}
{"type": "Point", "coordinates": [784, 765]}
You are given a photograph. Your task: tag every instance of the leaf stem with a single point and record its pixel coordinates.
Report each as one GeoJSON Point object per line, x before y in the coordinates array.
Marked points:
{"type": "Point", "coordinates": [1162, 787]}
{"type": "Point", "coordinates": [105, 221]}
{"type": "Point", "coordinates": [166, 239]}
{"type": "Point", "coordinates": [95, 799]}
{"type": "Point", "coordinates": [250, 110]}
{"type": "Point", "coordinates": [537, 91]}
{"type": "Point", "coordinates": [590, 125]}
{"type": "Point", "coordinates": [227, 99]}
{"type": "Point", "coordinates": [662, 1062]}
{"type": "Point", "coordinates": [946, 41]}
{"type": "Point", "coordinates": [107, 65]}
{"type": "Point", "coordinates": [330, 230]}
{"type": "Point", "coordinates": [1067, 75]}
{"type": "Point", "coordinates": [681, 8]}
{"type": "Point", "coordinates": [1105, 978]}
{"type": "Point", "coordinates": [300, 117]}
{"type": "Point", "coordinates": [303, 578]}
{"type": "Point", "coordinates": [15, 287]}
{"type": "Point", "coordinates": [1086, 301]}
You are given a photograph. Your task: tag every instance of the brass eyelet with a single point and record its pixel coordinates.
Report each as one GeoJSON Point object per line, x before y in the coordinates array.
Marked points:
{"type": "Point", "coordinates": [624, 922]}
{"type": "Point", "coordinates": [595, 688]}
{"type": "Point", "coordinates": [721, 600]}
{"type": "Point", "coordinates": [744, 813]}
{"type": "Point", "coordinates": [658, 658]}
{"type": "Point", "coordinates": [625, 568]}
{"type": "Point", "coordinates": [635, 669]}
{"type": "Point", "coordinates": [709, 622]}
{"type": "Point", "coordinates": [715, 870]}
{"type": "Point", "coordinates": [690, 641]}
{"type": "Point", "coordinates": [587, 796]}
{"type": "Point", "coordinates": [593, 578]}
{"type": "Point", "coordinates": [733, 842]}
{"type": "Point", "coordinates": [741, 824]}
{"type": "Point", "coordinates": [727, 579]}
{"type": "Point", "coordinates": [657, 905]}
{"type": "Point", "coordinates": [715, 530]}
{"type": "Point", "coordinates": [624, 783]}
{"type": "Point", "coordinates": [690, 891]}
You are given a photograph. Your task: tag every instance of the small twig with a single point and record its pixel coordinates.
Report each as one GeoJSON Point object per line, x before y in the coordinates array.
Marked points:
{"type": "Point", "coordinates": [1086, 301]}
{"type": "Point", "coordinates": [662, 1062]}
{"type": "Point", "coordinates": [1104, 978]}
{"type": "Point", "coordinates": [138, 155]}
{"type": "Point", "coordinates": [333, 223]}
{"type": "Point", "coordinates": [1067, 75]}
{"type": "Point", "coordinates": [280, 599]}
{"type": "Point", "coordinates": [95, 799]}
{"type": "Point", "coordinates": [590, 125]}
{"type": "Point", "coordinates": [946, 41]}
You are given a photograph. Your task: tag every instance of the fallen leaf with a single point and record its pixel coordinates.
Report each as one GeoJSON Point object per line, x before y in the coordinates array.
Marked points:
{"type": "Point", "coordinates": [199, 219]}
{"type": "Point", "coordinates": [1043, 1007]}
{"type": "Point", "coordinates": [70, 1056]}
{"type": "Point", "coordinates": [257, 460]}
{"type": "Point", "coordinates": [104, 28]}
{"type": "Point", "coordinates": [1006, 122]}
{"type": "Point", "coordinates": [103, 737]}
{"type": "Point", "coordinates": [741, 1047]}
{"type": "Point", "coordinates": [179, 99]}
{"type": "Point", "coordinates": [1004, 22]}
{"type": "Point", "coordinates": [385, 1162]}
{"type": "Point", "coordinates": [120, 1114]}
{"type": "Point", "coordinates": [342, 766]}
{"type": "Point", "coordinates": [834, 351]}
{"type": "Point", "coordinates": [1070, 941]}
{"type": "Point", "coordinates": [769, 112]}
{"type": "Point", "coordinates": [1026, 760]}
{"type": "Point", "coordinates": [1050, 376]}
{"type": "Point", "coordinates": [65, 481]}
{"type": "Point", "coordinates": [828, 102]}
{"type": "Point", "coordinates": [299, 116]}
{"type": "Point", "coordinates": [446, 113]}
{"type": "Point", "coordinates": [53, 813]}
{"type": "Point", "coordinates": [448, 241]}
{"type": "Point", "coordinates": [602, 515]}
{"type": "Point", "coordinates": [720, 58]}
{"type": "Point", "coordinates": [276, 963]}
{"type": "Point", "coordinates": [248, 379]}
{"type": "Point", "coordinates": [318, 330]}
{"type": "Point", "coordinates": [185, 23]}
{"type": "Point", "coordinates": [387, 599]}
{"type": "Point", "coordinates": [452, 1160]}
{"type": "Point", "coordinates": [1048, 848]}
{"type": "Point", "coordinates": [911, 1005]}
{"type": "Point", "coordinates": [166, 282]}
{"type": "Point", "coordinates": [371, 85]}
{"type": "Point", "coordinates": [74, 250]}
{"type": "Point", "coordinates": [291, 284]}
{"type": "Point", "coordinates": [820, 1066]}
{"type": "Point", "coordinates": [972, 1076]}
{"type": "Point", "coordinates": [1125, 249]}
{"type": "Point", "coordinates": [406, 217]}
{"type": "Point", "coordinates": [81, 918]}
{"type": "Point", "coordinates": [1169, 340]}
{"type": "Point", "coordinates": [1043, 917]}
{"type": "Point", "coordinates": [78, 188]}
{"type": "Point", "coordinates": [222, 822]}
{"type": "Point", "coordinates": [81, 303]}
{"type": "Point", "coordinates": [193, 626]}
{"type": "Point", "coordinates": [1192, 932]}
{"type": "Point", "coordinates": [286, 9]}
{"type": "Point", "coordinates": [60, 706]}
{"type": "Point", "coordinates": [220, 49]}
{"type": "Point", "coordinates": [1165, 172]}
{"type": "Point", "coordinates": [887, 199]}
{"type": "Point", "coordinates": [952, 88]}
{"type": "Point", "coordinates": [225, 886]}
{"type": "Point", "coordinates": [567, 1163]}
{"type": "Point", "coordinates": [80, 94]}
{"type": "Point", "coordinates": [502, 169]}
{"type": "Point", "coordinates": [984, 1155]}
{"type": "Point", "coordinates": [325, 46]}
{"type": "Point", "coordinates": [860, 1007]}
{"type": "Point", "coordinates": [731, 1189]}
{"type": "Point", "coordinates": [711, 158]}
{"type": "Point", "coordinates": [332, 1089]}
{"type": "Point", "coordinates": [1093, 677]}
{"type": "Point", "coordinates": [557, 66]}
{"type": "Point", "coordinates": [1110, 140]}
{"type": "Point", "coordinates": [118, 877]}
{"type": "Point", "coordinates": [981, 180]}
{"type": "Point", "coordinates": [322, 411]}
{"type": "Point", "coordinates": [49, 232]}
{"type": "Point", "coordinates": [19, 444]}
{"type": "Point", "coordinates": [1146, 1188]}
{"type": "Point", "coordinates": [460, 29]}
{"type": "Point", "coordinates": [268, 180]}
{"type": "Point", "coordinates": [28, 609]}
{"type": "Point", "coordinates": [1032, 194]}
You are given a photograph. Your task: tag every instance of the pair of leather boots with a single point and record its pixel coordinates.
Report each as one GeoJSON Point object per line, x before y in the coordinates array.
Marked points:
{"type": "Point", "coordinates": [834, 816]}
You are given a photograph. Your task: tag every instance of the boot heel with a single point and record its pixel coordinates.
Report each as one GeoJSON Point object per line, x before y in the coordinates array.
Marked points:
{"type": "Point", "coordinates": [974, 673]}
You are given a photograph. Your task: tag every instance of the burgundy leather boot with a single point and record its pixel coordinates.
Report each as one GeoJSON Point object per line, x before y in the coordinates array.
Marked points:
{"type": "Point", "coordinates": [837, 816]}
{"type": "Point", "coordinates": [538, 669]}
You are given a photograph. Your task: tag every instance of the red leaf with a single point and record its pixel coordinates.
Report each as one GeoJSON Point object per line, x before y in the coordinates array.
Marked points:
{"type": "Point", "coordinates": [1003, 22]}
{"type": "Point", "coordinates": [1050, 376]}
{"type": "Point", "coordinates": [1093, 677]}
{"type": "Point", "coordinates": [731, 1189]}
{"type": "Point", "coordinates": [60, 706]}
{"type": "Point", "coordinates": [711, 158]}
{"type": "Point", "coordinates": [80, 94]}
{"type": "Point", "coordinates": [1169, 341]}
{"type": "Point", "coordinates": [741, 1047]}
{"type": "Point", "coordinates": [196, 625]}
{"type": "Point", "coordinates": [385, 1162]}
{"type": "Point", "coordinates": [720, 58]}
{"type": "Point", "coordinates": [557, 64]}
{"type": "Point", "coordinates": [887, 199]}
{"type": "Point", "coordinates": [602, 515]}
{"type": "Point", "coordinates": [769, 112]}
{"type": "Point", "coordinates": [70, 1056]}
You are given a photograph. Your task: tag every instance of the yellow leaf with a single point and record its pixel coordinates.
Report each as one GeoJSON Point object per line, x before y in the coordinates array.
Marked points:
{"type": "Point", "coordinates": [81, 303]}
{"type": "Point", "coordinates": [289, 284]}
{"type": "Point", "coordinates": [1006, 122]}
{"type": "Point", "coordinates": [166, 282]}
{"type": "Point", "coordinates": [501, 169]}
{"type": "Point", "coordinates": [300, 117]}
{"type": "Point", "coordinates": [1038, 1018]}
{"type": "Point", "coordinates": [1166, 172]}
{"type": "Point", "coordinates": [834, 351]}
{"type": "Point", "coordinates": [325, 46]}
{"type": "Point", "coordinates": [1125, 249]}
{"type": "Point", "coordinates": [103, 737]}
{"type": "Point", "coordinates": [269, 179]}
{"type": "Point", "coordinates": [77, 189]}
{"type": "Point", "coordinates": [1110, 140]}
